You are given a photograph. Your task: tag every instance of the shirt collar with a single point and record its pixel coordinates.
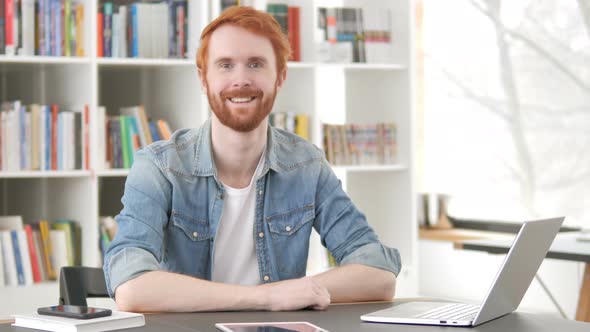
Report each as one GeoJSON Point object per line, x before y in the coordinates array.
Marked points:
{"type": "Point", "coordinates": [205, 164]}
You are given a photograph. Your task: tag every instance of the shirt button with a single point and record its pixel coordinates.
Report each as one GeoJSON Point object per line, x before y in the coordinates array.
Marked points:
{"type": "Point", "coordinates": [288, 228]}
{"type": "Point", "coordinates": [260, 234]}
{"type": "Point", "coordinates": [260, 193]}
{"type": "Point", "coordinates": [195, 234]}
{"type": "Point", "coordinates": [266, 278]}
{"type": "Point", "coordinates": [220, 196]}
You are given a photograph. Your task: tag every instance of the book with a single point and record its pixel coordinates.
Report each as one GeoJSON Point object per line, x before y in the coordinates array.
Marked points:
{"type": "Point", "coordinates": [60, 250]}
{"type": "Point", "coordinates": [10, 223]}
{"type": "Point", "coordinates": [10, 274]}
{"type": "Point", "coordinates": [25, 257]}
{"type": "Point", "coordinates": [47, 250]}
{"type": "Point", "coordinates": [118, 320]}
{"type": "Point", "coordinates": [1, 256]}
{"type": "Point", "coordinates": [33, 252]}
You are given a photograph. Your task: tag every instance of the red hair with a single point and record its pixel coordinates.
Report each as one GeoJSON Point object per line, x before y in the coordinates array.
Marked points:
{"type": "Point", "coordinates": [255, 21]}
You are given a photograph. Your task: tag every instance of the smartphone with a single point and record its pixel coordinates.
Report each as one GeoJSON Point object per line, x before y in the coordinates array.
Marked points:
{"type": "Point", "coordinates": [74, 311]}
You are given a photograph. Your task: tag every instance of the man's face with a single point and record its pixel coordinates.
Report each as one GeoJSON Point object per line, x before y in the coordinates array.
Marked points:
{"type": "Point", "coordinates": [241, 79]}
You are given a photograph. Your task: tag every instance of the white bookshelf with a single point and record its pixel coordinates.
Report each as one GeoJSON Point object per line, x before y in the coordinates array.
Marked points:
{"type": "Point", "coordinates": [170, 89]}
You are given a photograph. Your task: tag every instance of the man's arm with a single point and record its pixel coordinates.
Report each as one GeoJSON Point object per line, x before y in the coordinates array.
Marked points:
{"type": "Point", "coordinates": [368, 269]}
{"type": "Point", "coordinates": [356, 282]}
{"type": "Point", "coordinates": [158, 291]}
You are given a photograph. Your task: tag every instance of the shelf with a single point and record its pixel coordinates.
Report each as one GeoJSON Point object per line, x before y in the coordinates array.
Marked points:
{"type": "Point", "coordinates": [113, 173]}
{"type": "Point", "coordinates": [371, 168]}
{"type": "Point", "coordinates": [363, 66]}
{"type": "Point", "coordinates": [39, 60]}
{"type": "Point", "coordinates": [131, 62]}
{"type": "Point", "coordinates": [302, 65]}
{"type": "Point", "coordinates": [44, 174]}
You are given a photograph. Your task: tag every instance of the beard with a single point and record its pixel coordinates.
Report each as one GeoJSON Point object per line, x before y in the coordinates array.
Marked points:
{"type": "Point", "coordinates": [241, 118]}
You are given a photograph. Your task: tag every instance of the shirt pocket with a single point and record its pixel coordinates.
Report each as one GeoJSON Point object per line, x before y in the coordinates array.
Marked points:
{"type": "Point", "coordinates": [289, 222]}
{"type": "Point", "coordinates": [290, 233]}
{"type": "Point", "coordinates": [188, 245]}
{"type": "Point", "coordinates": [193, 228]}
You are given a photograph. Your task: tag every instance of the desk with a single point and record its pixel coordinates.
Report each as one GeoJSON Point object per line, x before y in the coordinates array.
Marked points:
{"type": "Point", "coordinates": [341, 318]}
{"type": "Point", "coordinates": [565, 247]}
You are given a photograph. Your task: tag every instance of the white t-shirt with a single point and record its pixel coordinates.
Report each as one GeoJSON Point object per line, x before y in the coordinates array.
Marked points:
{"type": "Point", "coordinates": [234, 255]}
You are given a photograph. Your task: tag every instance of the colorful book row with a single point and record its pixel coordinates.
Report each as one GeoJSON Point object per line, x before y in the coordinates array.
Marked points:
{"type": "Point", "coordinates": [143, 29]}
{"type": "Point", "coordinates": [354, 35]}
{"type": "Point", "coordinates": [43, 137]}
{"type": "Point", "coordinates": [42, 27]}
{"type": "Point", "coordinates": [120, 136]}
{"type": "Point", "coordinates": [34, 253]}
{"type": "Point", "coordinates": [360, 144]}
{"type": "Point", "coordinates": [295, 123]}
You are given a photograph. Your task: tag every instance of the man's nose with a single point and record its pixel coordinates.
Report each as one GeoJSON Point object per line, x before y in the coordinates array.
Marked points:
{"type": "Point", "coordinates": [241, 78]}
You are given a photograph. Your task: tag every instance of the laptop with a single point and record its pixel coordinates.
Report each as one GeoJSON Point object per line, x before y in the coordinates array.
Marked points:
{"type": "Point", "coordinates": [511, 283]}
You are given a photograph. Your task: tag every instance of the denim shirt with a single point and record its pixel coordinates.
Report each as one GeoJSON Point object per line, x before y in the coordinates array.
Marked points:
{"type": "Point", "coordinates": [173, 201]}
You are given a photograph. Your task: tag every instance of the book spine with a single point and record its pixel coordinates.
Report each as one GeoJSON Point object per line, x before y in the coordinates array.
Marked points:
{"type": "Point", "coordinates": [2, 26]}
{"type": "Point", "coordinates": [100, 32]}
{"type": "Point", "coordinates": [25, 257]}
{"type": "Point", "coordinates": [47, 249]}
{"type": "Point", "coordinates": [17, 258]}
{"type": "Point", "coordinates": [22, 138]}
{"type": "Point", "coordinates": [67, 17]}
{"type": "Point", "coordinates": [108, 24]}
{"type": "Point", "coordinates": [54, 136]}
{"type": "Point", "coordinates": [33, 254]}
{"type": "Point", "coordinates": [10, 274]}
{"type": "Point", "coordinates": [79, 40]}
{"type": "Point", "coordinates": [9, 27]}
{"type": "Point", "coordinates": [154, 131]}
{"type": "Point", "coordinates": [134, 31]}
{"type": "Point", "coordinates": [86, 137]}
{"type": "Point", "coordinates": [124, 141]}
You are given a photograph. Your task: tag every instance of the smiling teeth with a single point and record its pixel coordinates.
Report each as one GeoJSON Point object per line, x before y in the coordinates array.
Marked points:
{"type": "Point", "coordinates": [241, 100]}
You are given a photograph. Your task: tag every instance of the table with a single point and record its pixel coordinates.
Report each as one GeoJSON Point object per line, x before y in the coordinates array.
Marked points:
{"type": "Point", "coordinates": [565, 247]}
{"type": "Point", "coordinates": [341, 318]}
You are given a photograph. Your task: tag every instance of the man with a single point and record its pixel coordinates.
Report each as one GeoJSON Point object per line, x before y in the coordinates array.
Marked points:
{"type": "Point", "coordinates": [219, 218]}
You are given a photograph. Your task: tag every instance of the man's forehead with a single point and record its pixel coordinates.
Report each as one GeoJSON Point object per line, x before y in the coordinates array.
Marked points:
{"type": "Point", "coordinates": [232, 40]}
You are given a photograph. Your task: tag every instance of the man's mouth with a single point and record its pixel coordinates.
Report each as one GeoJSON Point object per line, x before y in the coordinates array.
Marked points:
{"type": "Point", "coordinates": [241, 100]}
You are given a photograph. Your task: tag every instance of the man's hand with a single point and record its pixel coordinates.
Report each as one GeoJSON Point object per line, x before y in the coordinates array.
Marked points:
{"type": "Point", "coordinates": [296, 294]}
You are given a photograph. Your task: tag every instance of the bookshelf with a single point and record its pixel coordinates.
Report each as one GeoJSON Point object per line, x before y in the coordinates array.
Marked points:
{"type": "Point", "coordinates": [335, 93]}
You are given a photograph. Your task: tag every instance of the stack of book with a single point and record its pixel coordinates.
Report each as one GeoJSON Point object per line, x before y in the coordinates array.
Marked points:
{"type": "Point", "coordinates": [295, 123]}
{"type": "Point", "coordinates": [354, 35]}
{"type": "Point", "coordinates": [356, 144]}
{"type": "Point", "coordinates": [120, 136]}
{"type": "Point", "coordinates": [42, 27]}
{"type": "Point", "coordinates": [288, 18]}
{"type": "Point", "coordinates": [43, 137]}
{"type": "Point", "coordinates": [34, 253]}
{"type": "Point", "coordinates": [143, 29]}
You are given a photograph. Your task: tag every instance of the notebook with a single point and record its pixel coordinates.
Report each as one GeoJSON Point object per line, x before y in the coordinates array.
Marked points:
{"type": "Point", "coordinates": [118, 320]}
{"type": "Point", "coordinates": [511, 283]}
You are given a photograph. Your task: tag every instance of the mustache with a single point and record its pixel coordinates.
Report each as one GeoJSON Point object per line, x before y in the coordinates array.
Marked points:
{"type": "Point", "coordinates": [241, 93]}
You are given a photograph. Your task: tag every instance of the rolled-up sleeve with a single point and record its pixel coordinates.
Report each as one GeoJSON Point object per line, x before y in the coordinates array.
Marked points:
{"type": "Point", "coordinates": [139, 243]}
{"type": "Point", "coordinates": [344, 230]}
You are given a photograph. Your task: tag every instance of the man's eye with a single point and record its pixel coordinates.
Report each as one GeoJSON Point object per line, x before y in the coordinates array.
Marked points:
{"type": "Point", "coordinates": [226, 66]}
{"type": "Point", "coordinates": [256, 65]}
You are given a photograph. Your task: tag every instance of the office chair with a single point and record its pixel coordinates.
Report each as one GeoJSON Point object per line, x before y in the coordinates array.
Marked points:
{"type": "Point", "coordinates": [76, 283]}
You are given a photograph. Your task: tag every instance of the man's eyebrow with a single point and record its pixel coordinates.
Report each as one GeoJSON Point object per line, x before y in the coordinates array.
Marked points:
{"type": "Point", "coordinates": [258, 59]}
{"type": "Point", "coordinates": [223, 59]}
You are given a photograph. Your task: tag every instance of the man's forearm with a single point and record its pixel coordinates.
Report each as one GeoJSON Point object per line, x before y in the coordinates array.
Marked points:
{"type": "Point", "coordinates": [158, 291]}
{"type": "Point", "coordinates": [355, 282]}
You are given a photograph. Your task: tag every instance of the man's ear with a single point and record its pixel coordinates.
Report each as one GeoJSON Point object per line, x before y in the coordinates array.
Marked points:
{"type": "Point", "coordinates": [203, 80]}
{"type": "Point", "coordinates": [281, 78]}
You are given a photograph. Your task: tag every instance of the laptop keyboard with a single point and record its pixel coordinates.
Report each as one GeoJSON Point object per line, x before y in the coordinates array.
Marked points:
{"type": "Point", "coordinates": [457, 311]}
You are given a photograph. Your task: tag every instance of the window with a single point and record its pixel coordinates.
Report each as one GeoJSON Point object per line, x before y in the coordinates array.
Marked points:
{"type": "Point", "coordinates": [506, 107]}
